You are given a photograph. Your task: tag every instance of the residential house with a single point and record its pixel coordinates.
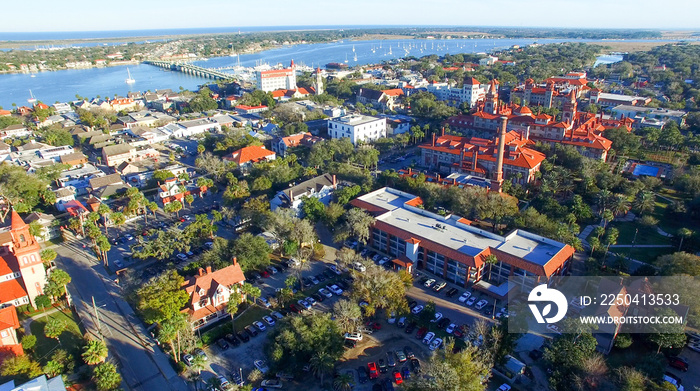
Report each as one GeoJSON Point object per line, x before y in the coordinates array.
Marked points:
{"type": "Point", "coordinates": [50, 228]}
{"type": "Point", "coordinates": [147, 136]}
{"type": "Point", "coordinates": [15, 131]}
{"type": "Point", "coordinates": [63, 195]}
{"type": "Point", "coordinates": [243, 109]}
{"type": "Point", "coordinates": [41, 383]}
{"type": "Point", "coordinates": [280, 145]}
{"type": "Point", "coordinates": [320, 187]}
{"type": "Point", "coordinates": [100, 182]}
{"type": "Point", "coordinates": [79, 178]}
{"type": "Point", "coordinates": [55, 153]}
{"type": "Point", "coordinates": [209, 292]}
{"type": "Point", "coordinates": [246, 156]}
{"type": "Point", "coordinates": [296, 93]}
{"type": "Point", "coordinates": [114, 155]}
{"type": "Point", "coordinates": [4, 152]}
{"type": "Point", "coordinates": [388, 99]}
{"type": "Point", "coordinates": [74, 159]}
{"type": "Point", "coordinates": [22, 273]}
{"type": "Point", "coordinates": [172, 190]}
{"type": "Point", "coordinates": [190, 128]}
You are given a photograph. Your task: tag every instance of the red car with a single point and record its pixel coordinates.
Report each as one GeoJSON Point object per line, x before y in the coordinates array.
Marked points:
{"type": "Point", "coordinates": [373, 325]}
{"type": "Point", "coordinates": [294, 308]}
{"type": "Point", "coordinates": [421, 332]}
{"type": "Point", "coordinates": [182, 219]}
{"type": "Point", "coordinates": [373, 372]}
{"type": "Point", "coordinates": [265, 274]}
{"type": "Point", "coordinates": [397, 377]}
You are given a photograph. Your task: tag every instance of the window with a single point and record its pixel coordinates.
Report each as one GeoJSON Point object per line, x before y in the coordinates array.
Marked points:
{"type": "Point", "coordinates": [456, 272]}
{"type": "Point", "coordinates": [5, 334]}
{"type": "Point", "coordinates": [435, 263]}
{"type": "Point", "coordinates": [397, 246]}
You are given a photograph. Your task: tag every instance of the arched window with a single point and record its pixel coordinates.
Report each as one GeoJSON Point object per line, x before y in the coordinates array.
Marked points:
{"type": "Point", "coordinates": [21, 238]}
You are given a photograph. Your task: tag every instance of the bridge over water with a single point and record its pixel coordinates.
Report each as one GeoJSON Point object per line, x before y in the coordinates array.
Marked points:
{"type": "Point", "coordinates": [191, 69]}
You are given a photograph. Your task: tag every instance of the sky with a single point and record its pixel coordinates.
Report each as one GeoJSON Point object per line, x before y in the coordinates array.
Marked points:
{"type": "Point", "coordinates": [88, 15]}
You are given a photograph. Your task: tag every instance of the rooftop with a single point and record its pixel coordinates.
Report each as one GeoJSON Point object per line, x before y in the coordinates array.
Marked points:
{"type": "Point", "coordinates": [354, 120]}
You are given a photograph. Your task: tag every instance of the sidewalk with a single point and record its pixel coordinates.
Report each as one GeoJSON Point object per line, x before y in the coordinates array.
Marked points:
{"type": "Point", "coordinates": [27, 322]}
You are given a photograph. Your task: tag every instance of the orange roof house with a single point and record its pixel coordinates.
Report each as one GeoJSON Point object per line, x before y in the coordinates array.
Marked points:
{"type": "Point", "coordinates": [248, 155]}
{"type": "Point", "coordinates": [209, 293]}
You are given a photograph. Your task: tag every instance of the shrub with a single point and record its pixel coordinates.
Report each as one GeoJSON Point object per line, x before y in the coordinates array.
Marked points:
{"type": "Point", "coordinates": [623, 341]}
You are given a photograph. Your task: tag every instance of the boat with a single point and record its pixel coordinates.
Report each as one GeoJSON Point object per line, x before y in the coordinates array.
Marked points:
{"type": "Point", "coordinates": [346, 58]}
{"type": "Point", "coordinates": [353, 48]}
{"type": "Point", "coordinates": [32, 99]}
{"type": "Point", "coordinates": [355, 57]}
{"type": "Point", "coordinates": [32, 75]}
{"type": "Point", "coordinates": [129, 80]}
{"type": "Point", "coordinates": [335, 65]}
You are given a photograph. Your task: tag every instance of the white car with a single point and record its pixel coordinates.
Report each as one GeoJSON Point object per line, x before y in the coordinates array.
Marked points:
{"type": "Point", "coordinates": [274, 383]}
{"type": "Point", "coordinates": [325, 292]}
{"type": "Point", "coordinates": [354, 336]}
{"type": "Point", "coordinates": [464, 297]}
{"type": "Point", "coordinates": [265, 302]}
{"type": "Point", "coordinates": [277, 315]}
{"type": "Point", "coordinates": [359, 267]}
{"type": "Point", "coordinates": [259, 325]}
{"type": "Point", "coordinates": [471, 301]}
{"type": "Point", "coordinates": [428, 338]}
{"type": "Point", "coordinates": [334, 288]}
{"type": "Point", "coordinates": [304, 304]}
{"type": "Point", "coordinates": [224, 384]}
{"type": "Point", "coordinates": [417, 309]}
{"type": "Point", "coordinates": [429, 283]}
{"type": "Point", "coordinates": [436, 343]}
{"type": "Point", "coordinates": [181, 257]}
{"type": "Point", "coordinates": [451, 328]}
{"type": "Point", "coordinates": [438, 316]}
{"type": "Point", "coordinates": [481, 304]}
{"type": "Point", "coordinates": [311, 301]}
{"type": "Point", "coordinates": [261, 365]}
{"type": "Point", "coordinates": [392, 318]}
{"type": "Point", "coordinates": [268, 319]}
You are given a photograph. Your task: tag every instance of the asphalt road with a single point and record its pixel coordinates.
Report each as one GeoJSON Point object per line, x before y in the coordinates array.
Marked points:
{"type": "Point", "coordinates": [142, 367]}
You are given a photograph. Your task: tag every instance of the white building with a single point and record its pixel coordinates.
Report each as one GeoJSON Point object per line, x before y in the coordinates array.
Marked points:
{"type": "Point", "coordinates": [56, 152]}
{"type": "Point", "coordinates": [321, 187]}
{"type": "Point", "coordinates": [189, 128]}
{"type": "Point", "coordinates": [471, 92]}
{"type": "Point", "coordinates": [277, 79]}
{"type": "Point", "coordinates": [357, 128]}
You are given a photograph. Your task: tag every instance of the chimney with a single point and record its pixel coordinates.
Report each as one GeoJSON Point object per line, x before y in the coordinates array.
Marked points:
{"type": "Point", "coordinates": [443, 131]}
{"type": "Point", "coordinates": [201, 271]}
{"type": "Point", "coordinates": [433, 139]}
{"type": "Point", "coordinates": [234, 261]}
{"type": "Point", "coordinates": [497, 184]}
{"type": "Point", "coordinates": [438, 178]}
{"type": "Point", "coordinates": [208, 269]}
{"type": "Point", "coordinates": [410, 170]}
{"type": "Point", "coordinates": [454, 181]}
{"type": "Point", "coordinates": [334, 181]}
{"type": "Point", "coordinates": [475, 159]}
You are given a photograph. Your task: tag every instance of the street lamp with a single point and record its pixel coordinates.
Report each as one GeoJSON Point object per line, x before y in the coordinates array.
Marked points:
{"type": "Point", "coordinates": [97, 317]}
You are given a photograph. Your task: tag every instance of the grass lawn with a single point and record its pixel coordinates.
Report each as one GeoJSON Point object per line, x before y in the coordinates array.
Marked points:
{"type": "Point", "coordinates": [645, 235]}
{"type": "Point", "coordinates": [646, 255]}
{"type": "Point", "coordinates": [223, 327]}
{"type": "Point", "coordinates": [71, 339]}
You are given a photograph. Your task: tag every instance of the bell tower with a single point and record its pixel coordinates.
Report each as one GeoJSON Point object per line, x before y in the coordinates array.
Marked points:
{"type": "Point", "coordinates": [26, 249]}
{"type": "Point", "coordinates": [319, 82]}
{"type": "Point", "coordinates": [491, 102]}
{"type": "Point", "coordinates": [568, 113]}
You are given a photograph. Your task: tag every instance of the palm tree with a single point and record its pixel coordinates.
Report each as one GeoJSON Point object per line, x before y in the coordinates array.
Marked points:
{"type": "Point", "coordinates": [620, 204]}
{"type": "Point", "coordinates": [321, 364]}
{"type": "Point", "coordinates": [95, 352]}
{"type": "Point", "coordinates": [684, 233]}
{"type": "Point", "coordinates": [609, 240]}
{"type": "Point", "coordinates": [598, 231]}
{"type": "Point", "coordinates": [594, 243]}
{"type": "Point", "coordinates": [344, 382]}
{"type": "Point", "coordinates": [490, 260]}
{"type": "Point", "coordinates": [607, 217]}
{"type": "Point", "coordinates": [234, 301]}
{"type": "Point", "coordinates": [250, 290]}
{"type": "Point", "coordinates": [644, 202]}
{"type": "Point", "coordinates": [104, 211]}
{"type": "Point", "coordinates": [603, 198]}
{"type": "Point", "coordinates": [197, 363]}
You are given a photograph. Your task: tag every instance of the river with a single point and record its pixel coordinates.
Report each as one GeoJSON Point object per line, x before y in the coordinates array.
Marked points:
{"type": "Point", "coordinates": [63, 86]}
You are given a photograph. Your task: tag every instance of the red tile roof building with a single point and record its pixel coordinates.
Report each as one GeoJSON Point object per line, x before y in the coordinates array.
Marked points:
{"type": "Point", "coordinates": [9, 323]}
{"type": "Point", "coordinates": [449, 247]}
{"type": "Point", "coordinates": [280, 145]}
{"type": "Point", "coordinates": [22, 273]}
{"type": "Point", "coordinates": [300, 92]}
{"type": "Point", "coordinates": [579, 129]}
{"type": "Point", "coordinates": [210, 292]}
{"type": "Point", "coordinates": [249, 155]}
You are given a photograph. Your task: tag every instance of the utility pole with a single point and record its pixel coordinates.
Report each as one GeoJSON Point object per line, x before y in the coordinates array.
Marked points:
{"type": "Point", "coordinates": [97, 316]}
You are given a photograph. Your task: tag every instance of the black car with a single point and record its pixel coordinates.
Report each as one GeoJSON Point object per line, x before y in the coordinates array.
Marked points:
{"type": "Point", "coordinates": [251, 330]}
{"type": "Point", "coordinates": [342, 285]}
{"type": "Point", "coordinates": [444, 322]}
{"type": "Point", "coordinates": [410, 327]}
{"type": "Point", "coordinates": [329, 274]}
{"type": "Point", "coordinates": [362, 374]}
{"type": "Point", "coordinates": [382, 366]}
{"type": "Point", "coordinates": [388, 385]}
{"type": "Point", "coordinates": [415, 365]}
{"type": "Point", "coordinates": [222, 344]}
{"type": "Point", "coordinates": [408, 352]}
{"type": "Point", "coordinates": [320, 277]}
{"type": "Point", "coordinates": [284, 265]}
{"type": "Point", "coordinates": [256, 276]}
{"type": "Point", "coordinates": [350, 343]}
{"type": "Point", "coordinates": [412, 304]}
{"type": "Point", "coordinates": [306, 281]}
{"type": "Point", "coordinates": [230, 338]}
{"type": "Point", "coordinates": [318, 297]}
{"type": "Point", "coordinates": [423, 280]}
{"type": "Point", "coordinates": [243, 336]}
{"type": "Point", "coordinates": [451, 292]}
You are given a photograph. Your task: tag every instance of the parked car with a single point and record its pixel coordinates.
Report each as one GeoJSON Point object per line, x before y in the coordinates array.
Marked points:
{"type": "Point", "coordinates": [222, 344]}
{"type": "Point", "coordinates": [187, 359]}
{"type": "Point", "coordinates": [271, 270]}
{"type": "Point", "coordinates": [268, 319]}
{"type": "Point", "coordinates": [437, 342]}
{"type": "Point", "coordinates": [311, 301]}
{"type": "Point", "coordinates": [181, 257]}
{"type": "Point", "coordinates": [428, 338]}
{"type": "Point", "coordinates": [334, 288]}
{"type": "Point", "coordinates": [373, 372]}
{"type": "Point", "coordinates": [412, 304]}
{"type": "Point", "coordinates": [390, 360]}
{"type": "Point", "coordinates": [362, 375]}
{"type": "Point", "coordinates": [277, 315]}
{"type": "Point", "coordinates": [350, 343]}
{"type": "Point", "coordinates": [335, 269]}
{"type": "Point", "coordinates": [678, 362]}
{"type": "Point", "coordinates": [265, 302]}
{"type": "Point", "coordinates": [451, 328]}
{"type": "Point", "coordinates": [232, 339]}
{"type": "Point", "coordinates": [223, 383]}
{"type": "Point", "coordinates": [438, 316]}
{"type": "Point", "coordinates": [481, 304]}
{"type": "Point", "coordinates": [417, 309]}
{"type": "Point", "coordinates": [471, 301]}
{"type": "Point", "coordinates": [304, 304]}
{"type": "Point", "coordinates": [410, 327]}
{"type": "Point", "coordinates": [444, 322]}
{"type": "Point", "coordinates": [408, 352]}
{"type": "Point", "coordinates": [251, 330]}
{"type": "Point", "coordinates": [405, 373]}
{"type": "Point", "coordinates": [451, 292]}
{"type": "Point", "coordinates": [429, 283]}
{"type": "Point", "coordinates": [314, 280]}
{"type": "Point", "coordinates": [325, 292]}
{"type": "Point", "coordinates": [271, 383]}
{"type": "Point", "coordinates": [243, 336]}
{"type": "Point", "coordinates": [421, 332]}
{"type": "Point", "coordinates": [382, 366]}
{"type": "Point", "coordinates": [439, 286]}
{"type": "Point", "coordinates": [400, 355]}
{"type": "Point", "coordinates": [201, 354]}
{"type": "Point", "coordinates": [355, 336]}
{"type": "Point", "coordinates": [261, 365]}
{"type": "Point", "coordinates": [318, 297]}
{"type": "Point", "coordinates": [402, 322]}
{"type": "Point", "coordinates": [259, 325]}
{"type": "Point", "coordinates": [415, 365]}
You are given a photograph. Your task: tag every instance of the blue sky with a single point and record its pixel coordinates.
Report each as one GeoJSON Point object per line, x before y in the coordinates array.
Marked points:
{"type": "Point", "coordinates": [84, 15]}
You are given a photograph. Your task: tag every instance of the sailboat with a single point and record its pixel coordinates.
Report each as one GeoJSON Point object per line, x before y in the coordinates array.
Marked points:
{"type": "Point", "coordinates": [390, 53]}
{"type": "Point", "coordinates": [346, 58]}
{"type": "Point", "coordinates": [129, 80]}
{"type": "Point", "coordinates": [353, 48]}
{"type": "Point", "coordinates": [355, 57]}
{"type": "Point", "coordinates": [32, 99]}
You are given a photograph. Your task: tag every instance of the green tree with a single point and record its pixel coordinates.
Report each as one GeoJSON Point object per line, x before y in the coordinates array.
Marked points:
{"type": "Point", "coordinates": [313, 208]}
{"type": "Point", "coordinates": [321, 364]}
{"type": "Point", "coordinates": [684, 233]}
{"type": "Point", "coordinates": [253, 252]}
{"type": "Point", "coordinates": [162, 297]}
{"type": "Point", "coordinates": [28, 342]}
{"type": "Point", "coordinates": [95, 352]}
{"type": "Point", "coordinates": [679, 263]}
{"type": "Point", "coordinates": [343, 382]}
{"type": "Point", "coordinates": [357, 225]}
{"type": "Point", "coordinates": [60, 278]}
{"type": "Point", "coordinates": [189, 199]}
{"type": "Point", "coordinates": [54, 328]}
{"type": "Point", "coordinates": [234, 301]}
{"type": "Point", "coordinates": [446, 370]}
{"type": "Point", "coordinates": [251, 291]}
{"type": "Point", "coordinates": [20, 368]}
{"type": "Point", "coordinates": [173, 207]}
{"type": "Point", "coordinates": [262, 183]}
{"type": "Point", "coordinates": [347, 315]}
{"type": "Point", "coordinates": [43, 301]}
{"type": "Point", "coordinates": [106, 377]}
{"type": "Point", "coordinates": [667, 335]}
{"type": "Point", "coordinates": [644, 202]}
